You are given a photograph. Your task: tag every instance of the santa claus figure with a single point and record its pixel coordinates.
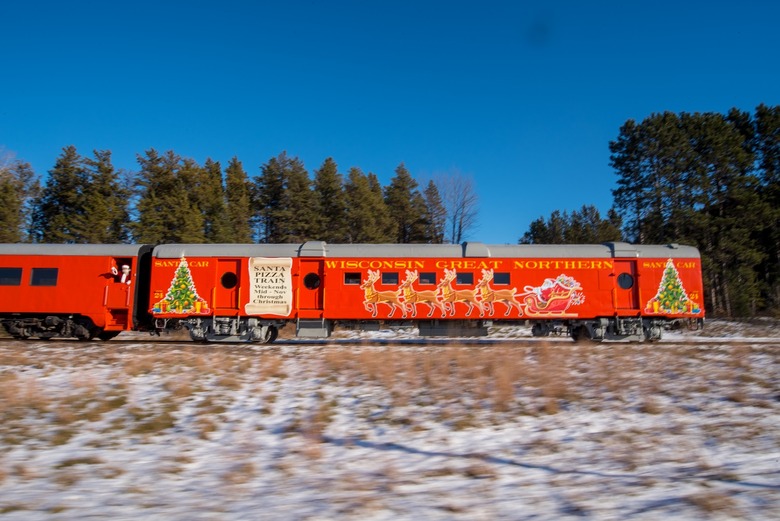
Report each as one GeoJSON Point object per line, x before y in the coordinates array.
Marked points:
{"type": "Point", "coordinates": [125, 278]}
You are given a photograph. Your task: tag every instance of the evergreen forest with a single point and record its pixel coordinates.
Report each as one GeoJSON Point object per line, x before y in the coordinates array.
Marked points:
{"type": "Point", "coordinates": [710, 180]}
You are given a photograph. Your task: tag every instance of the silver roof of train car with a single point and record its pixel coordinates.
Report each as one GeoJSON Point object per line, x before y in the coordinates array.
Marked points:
{"type": "Point", "coordinates": [175, 251]}
{"type": "Point", "coordinates": [86, 250]}
{"type": "Point", "coordinates": [466, 250]}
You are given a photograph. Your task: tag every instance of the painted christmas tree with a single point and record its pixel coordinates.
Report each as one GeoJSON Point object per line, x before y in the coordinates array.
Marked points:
{"type": "Point", "coordinates": [671, 297]}
{"type": "Point", "coordinates": [182, 297]}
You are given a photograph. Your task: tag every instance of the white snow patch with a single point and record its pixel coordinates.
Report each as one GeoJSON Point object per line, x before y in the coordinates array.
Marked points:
{"type": "Point", "coordinates": [135, 430]}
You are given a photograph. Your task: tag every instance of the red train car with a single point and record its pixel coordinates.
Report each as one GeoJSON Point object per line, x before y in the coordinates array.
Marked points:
{"type": "Point", "coordinates": [226, 292]}
{"type": "Point", "coordinates": [246, 292]}
{"type": "Point", "coordinates": [71, 290]}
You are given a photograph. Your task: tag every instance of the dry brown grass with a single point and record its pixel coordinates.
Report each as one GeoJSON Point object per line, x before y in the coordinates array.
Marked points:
{"type": "Point", "coordinates": [460, 386]}
{"type": "Point", "coordinates": [149, 392]}
{"type": "Point", "coordinates": [271, 366]}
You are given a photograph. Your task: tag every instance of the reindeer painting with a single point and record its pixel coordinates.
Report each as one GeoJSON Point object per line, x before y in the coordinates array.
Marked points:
{"type": "Point", "coordinates": [373, 297]}
{"type": "Point", "coordinates": [412, 296]}
{"type": "Point", "coordinates": [450, 296]}
{"type": "Point", "coordinates": [491, 295]}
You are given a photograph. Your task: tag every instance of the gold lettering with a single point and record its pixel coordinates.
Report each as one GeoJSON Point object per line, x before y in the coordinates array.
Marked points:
{"type": "Point", "coordinates": [573, 264]}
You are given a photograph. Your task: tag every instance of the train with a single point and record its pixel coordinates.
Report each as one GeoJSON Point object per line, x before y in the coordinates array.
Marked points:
{"type": "Point", "coordinates": [248, 292]}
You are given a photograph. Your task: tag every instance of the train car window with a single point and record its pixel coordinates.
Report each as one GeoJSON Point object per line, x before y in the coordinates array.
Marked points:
{"type": "Point", "coordinates": [428, 278]}
{"type": "Point", "coordinates": [10, 276]}
{"type": "Point", "coordinates": [312, 281]}
{"type": "Point", "coordinates": [625, 281]}
{"type": "Point", "coordinates": [229, 280]}
{"type": "Point", "coordinates": [465, 278]}
{"type": "Point", "coordinates": [501, 279]}
{"type": "Point", "coordinates": [43, 277]}
{"type": "Point", "coordinates": [352, 279]}
{"type": "Point", "coordinates": [390, 277]}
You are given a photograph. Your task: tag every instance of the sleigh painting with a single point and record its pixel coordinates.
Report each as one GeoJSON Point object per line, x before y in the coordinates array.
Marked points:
{"type": "Point", "coordinates": [553, 298]}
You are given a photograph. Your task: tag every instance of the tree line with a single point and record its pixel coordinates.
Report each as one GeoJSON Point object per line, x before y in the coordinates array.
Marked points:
{"type": "Point", "coordinates": [706, 179]}
{"type": "Point", "coordinates": [174, 199]}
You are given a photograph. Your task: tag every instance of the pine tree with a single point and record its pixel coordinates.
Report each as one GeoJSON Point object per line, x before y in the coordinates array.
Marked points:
{"type": "Point", "coordinates": [436, 214]}
{"type": "Point", "coordinates": [384, 225]}
{"type": "Point", "coordinates": [767, 139]}
{"type": "Point", "coordinates": [629, 196]}
{"type": "Point", "coordinates": [549, 231]}
{"type": "Point", "coordinates": [18, 188]}
{"type": "Point", "coordinates": [165, 211]}
{"type": "Point", "coordinates": [213, 205]}
{"type": "Point", "coordinates": [331, 203]}
{"type": "Point", "coordinates": [299, 216]}
{"type": "Point", "coordinates": [105, 218]}
{"type": "Point", "coordinates": [656, 187]}
{"type": "Point", "coordinates": [691, 178]}
{"type": "Point", "coordinates": [239, 203]}
{"type": "Point", "coordinates": [368, 218]}
{"type": "Point", "coordinates": [284, 202]}
{"type": "Point", "coordinates": [407, 207]}
{"type": "Point", "coordinates": [60, 209]}
{"type": "Point", "coordinates": [587, 227]}
{"type": "Point", "coordinates": [268, 192]}
{"type": "Point", "coordinates": [731, 211]}
{"type": "Point", "coordinates": [580, 227]}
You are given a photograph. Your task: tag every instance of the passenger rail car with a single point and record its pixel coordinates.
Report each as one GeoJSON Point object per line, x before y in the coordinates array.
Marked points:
{"type": "Point", "coordinates": [68, 290]}
{"type": "Point", "coordinates": [246, 292]}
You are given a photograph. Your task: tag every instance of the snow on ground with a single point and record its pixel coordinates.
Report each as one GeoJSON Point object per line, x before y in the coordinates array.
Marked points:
{"type": "Point", "coordinates": [552, 430]}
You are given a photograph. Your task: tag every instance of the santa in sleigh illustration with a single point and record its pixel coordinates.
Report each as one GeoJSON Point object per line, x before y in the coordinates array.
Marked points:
{"type": "Point", "coordinates": [553, 297]}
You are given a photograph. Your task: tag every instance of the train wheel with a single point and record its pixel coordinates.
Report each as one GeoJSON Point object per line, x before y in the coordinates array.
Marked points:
{"type": "Point", "coordinates": [540, 330]}
{"type": "Point", "coordinates": [107, 335]}
{"type": "Point", "coordinates": [271, 334]}
{"type": "Point", "coordinates": [581, 334]}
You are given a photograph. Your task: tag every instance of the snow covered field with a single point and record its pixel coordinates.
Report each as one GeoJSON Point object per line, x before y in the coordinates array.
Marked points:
{"type": "Point", "coordinates": [135, 430]}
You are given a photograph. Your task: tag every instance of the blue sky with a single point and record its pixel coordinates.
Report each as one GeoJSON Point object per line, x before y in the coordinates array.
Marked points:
{"type": "Point", "coordinates": [522, 97]}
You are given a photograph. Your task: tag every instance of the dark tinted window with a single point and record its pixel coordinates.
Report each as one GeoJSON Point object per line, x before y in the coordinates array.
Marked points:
{"type": "Point", "coordinates": [501, 278]}
{"type": "Point", "coordinates": [352, 278]}
{"type": "Point", "coordinates": [390, 277]}
{"type": "Point", "coordinates": [465, 278]}
{"type": "Point", "coordinates": [427, 278]}
{"type": "Point", "coordinates": [10, 276]}
{"type": "Point", "coordinates": [43, 277]}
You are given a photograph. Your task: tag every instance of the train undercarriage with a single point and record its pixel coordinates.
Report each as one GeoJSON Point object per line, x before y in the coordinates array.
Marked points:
{"type": "Point", "coordinates": [633, 329]}
{"type": "Point", "coordinates": [46, 327]}
{"type": "Point", "coordinates": [226, 329]}
{"type": "Point", "coordinates": [247, 329]}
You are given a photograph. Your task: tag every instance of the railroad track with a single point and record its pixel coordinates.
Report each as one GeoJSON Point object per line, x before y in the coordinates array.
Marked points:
{"type": "Point", "coordinates": [400, 342]}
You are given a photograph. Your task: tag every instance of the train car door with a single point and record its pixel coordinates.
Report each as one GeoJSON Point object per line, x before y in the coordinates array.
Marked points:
{"type": "Point", "coordinates": [118, 292]}
{"type": "Point", "coordinates": [311, 289]}
{"type": "Point", "coordinates": [228, 282]}
{"type": "Point", "coordinates": [626, 285]}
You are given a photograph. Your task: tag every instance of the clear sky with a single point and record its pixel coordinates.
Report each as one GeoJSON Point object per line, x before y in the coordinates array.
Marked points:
{"type": "Point", "coordinates": [522, 97]}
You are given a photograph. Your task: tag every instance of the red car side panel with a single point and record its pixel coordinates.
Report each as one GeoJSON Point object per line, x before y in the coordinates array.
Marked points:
{"type": "Point", "coordinates": [224, 286]}
{"type": "Point", "coordinates": [511, 288]}
{"type": "Point", "coordinates": [85, 285]}
{"type": "Point", "coordinates": [363, 288]}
